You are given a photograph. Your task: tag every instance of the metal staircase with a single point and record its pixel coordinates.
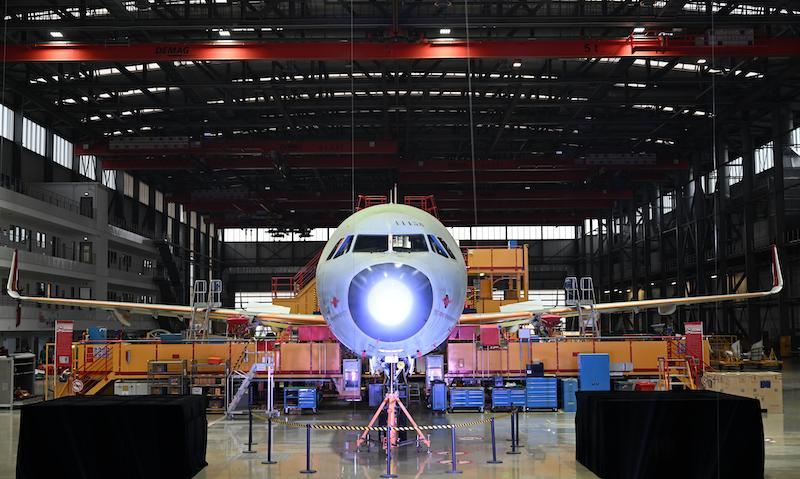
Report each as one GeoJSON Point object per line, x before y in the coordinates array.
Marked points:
{"type": "Point", "coordinates": [169, 279]}
{"type": "Point", "coordinates": [675, 372]}
{"type": "Point", "coordinates": [243, 388]}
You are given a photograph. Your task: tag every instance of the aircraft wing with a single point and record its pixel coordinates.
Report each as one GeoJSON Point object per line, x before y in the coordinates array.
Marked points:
{"type": "Point", "coordinates": [275, 317]}
{"type": "Point", "coordinates": [514, 314]}
{"type": "Point", "coordinates": [668, 305]}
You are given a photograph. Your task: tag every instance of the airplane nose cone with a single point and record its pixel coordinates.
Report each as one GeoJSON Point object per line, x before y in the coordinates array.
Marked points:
{"type": "Point", "coordinates": [390, 301]}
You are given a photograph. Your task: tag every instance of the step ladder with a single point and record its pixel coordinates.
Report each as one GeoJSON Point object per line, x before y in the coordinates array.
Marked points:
{"type": "Point", "coordinates": [675, 372]}
{"type": "Point", "coordinates": [204, 300]}
{"type": "Point", "coordinates": [580, 295]}
{"type": "Point", "coordinates": [244, 387]}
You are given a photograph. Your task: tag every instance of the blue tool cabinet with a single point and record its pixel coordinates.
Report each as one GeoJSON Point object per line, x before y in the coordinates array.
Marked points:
{"type": "Point", "coordinates": [594, 372]}
{"type": "Point", "coordinates": [508, 397]}
{"type": "Point", "coordinates": [438, 396]}
{"type": "Point", "coordinates": [568, 388]}
{"type": "Point", "coordinates": [299, 398]}
{"type": "Point", "coordinates": [542, 393]}
{"type": "Point", "coordinates": [467, 398]}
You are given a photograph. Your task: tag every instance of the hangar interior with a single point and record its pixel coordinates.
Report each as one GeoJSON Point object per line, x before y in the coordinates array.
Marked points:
{"type": "Point", "coordinates": [652, 146]}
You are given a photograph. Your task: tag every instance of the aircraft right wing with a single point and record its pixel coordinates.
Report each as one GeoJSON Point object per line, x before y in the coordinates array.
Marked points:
{"type": "Point", "coordinates": [521, 313]}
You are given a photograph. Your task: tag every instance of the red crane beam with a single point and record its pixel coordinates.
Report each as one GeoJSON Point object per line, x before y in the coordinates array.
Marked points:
{"type": "Point", "coordinates": [334, 162]}
{"type": "Point", "coordinates": [225, 50]}
{"type": "Point", "coordinates": [244, 147]}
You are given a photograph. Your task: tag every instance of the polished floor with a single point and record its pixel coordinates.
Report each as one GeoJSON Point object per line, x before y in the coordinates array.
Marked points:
{"type": "Point", "coordinates": [548, 450]}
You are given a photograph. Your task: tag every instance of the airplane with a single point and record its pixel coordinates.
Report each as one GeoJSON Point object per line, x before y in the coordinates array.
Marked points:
{"type": "Point", "coordinates": [391, 283]}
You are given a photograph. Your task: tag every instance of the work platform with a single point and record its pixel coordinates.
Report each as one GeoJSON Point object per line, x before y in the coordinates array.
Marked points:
{"type": "Point", "coordinates": [97, 365]}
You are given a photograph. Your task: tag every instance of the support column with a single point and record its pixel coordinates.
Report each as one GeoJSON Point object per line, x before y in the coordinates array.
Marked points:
{"type": "Point", "coordinates": [781, 126]}
{"type": "Point", "coordinates": [751, 272]}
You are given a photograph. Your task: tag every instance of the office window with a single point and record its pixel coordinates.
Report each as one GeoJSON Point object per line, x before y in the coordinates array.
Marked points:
{"type": "Point", "coordinates": [245, 299]}
{"type": "Point", "coordinates": [558, 232]}
{"type": "Point", "coordinates": [6, 122]}
{"type": "Point", "coordinates": [34, 137]}
{"type": "Point", "coordinates": [735, 170]}
{"type": "Point", "coordinates": [41, 240]}
{"type": "Point", "coordinates": [127, 185]}
{"type": "Point", "coordinates": [159, 206]}
{"type": "Point", "coordinates": [460, 232]}
{"type": "Point", "coordinates": [316, 234]}
{"type": "Point", "coordinates": [488, 232]}
{"type": "Point", "coordinates": [110, 179]}
{"type": "Point", "coordinates": [591, 227]}
{"type": "Point", "coordinates": [763, 157]}
{"type": "Point", "coordinates": [794, 141]}
{"type": "Point", "coordinates": [144, 193]}
{"type": "Point", "coordinates": [88, 166]}
{"type": "Point", "coordinates": [524, 232]}
{"type": "Point", "coordinates": [171, 210]}
{"type": "Point", "coordinates": [668, 203]}
{"type": "Point", "coordinates": [550, 298]}
{"type": "Point", "coordinates": [240, 235]}
{"type": "Point", "coordinates": [62, 152]}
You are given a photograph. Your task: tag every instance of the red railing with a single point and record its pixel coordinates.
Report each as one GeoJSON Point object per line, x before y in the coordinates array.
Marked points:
{"type": "Point", "coordinates": [97, 364]}
{"type": "Point", "coordinates": [501, 267]}
{"type": "Point", "coordinates": [292, 285]}
{"type": "Point", "coordinates": [426, 203]}
{"type": "Point", "coordinates": [365, 201]}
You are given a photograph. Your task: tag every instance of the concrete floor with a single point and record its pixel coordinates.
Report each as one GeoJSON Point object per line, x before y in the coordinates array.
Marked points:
{"type": "Point", "coordinates": [548, 440]}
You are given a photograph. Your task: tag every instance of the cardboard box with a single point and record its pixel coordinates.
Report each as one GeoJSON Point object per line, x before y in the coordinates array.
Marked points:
{"type": "Point", "coordinates": [767, 387]}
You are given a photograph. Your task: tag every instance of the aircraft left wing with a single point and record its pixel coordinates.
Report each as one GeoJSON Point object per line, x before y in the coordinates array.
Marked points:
{"type": "Point", "coordinates": [277, 317]}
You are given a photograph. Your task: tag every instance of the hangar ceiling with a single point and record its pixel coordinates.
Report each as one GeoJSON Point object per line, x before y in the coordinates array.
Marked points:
{"type": "Point", "coordinates": [272, 113]}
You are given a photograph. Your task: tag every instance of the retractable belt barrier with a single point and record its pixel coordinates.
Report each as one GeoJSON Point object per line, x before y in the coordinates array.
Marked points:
{"type": "Point", "coordinates": [337, 427]}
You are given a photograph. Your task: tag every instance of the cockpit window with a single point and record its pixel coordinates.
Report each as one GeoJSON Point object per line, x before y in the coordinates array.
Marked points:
{"type": "Point", "coordinates": [343, 246]}
{"type": "Point", "coordinates": [409, 243]}
{"type": "Point", "coordinates": [437, 246]}
{"type": "Point", "coordinates": [334, 249]}
{"type": "Point", "coordinates": [371, 244]}
{"type": "Point", "coordinates": [444, 243]}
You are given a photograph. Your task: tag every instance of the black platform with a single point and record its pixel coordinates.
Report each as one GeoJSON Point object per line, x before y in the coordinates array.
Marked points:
{"type": "Point", "coordinates": [113, 436]}
{"type": "Point", "coordinates": [685, 434]}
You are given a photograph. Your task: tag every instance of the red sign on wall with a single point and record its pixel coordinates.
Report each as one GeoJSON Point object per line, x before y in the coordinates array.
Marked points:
{"type": "Point", "coordinates": [63, 345]}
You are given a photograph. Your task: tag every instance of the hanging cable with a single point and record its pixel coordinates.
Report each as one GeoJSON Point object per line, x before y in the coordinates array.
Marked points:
{"type": "Point", "coordinates": [3, 94]}
{"type": "Point", "coordinates": [471, 118]}
{"type": "Point", "coordinates": [352, 112]}
{"type": "Point", "coordinates": [717, 192]}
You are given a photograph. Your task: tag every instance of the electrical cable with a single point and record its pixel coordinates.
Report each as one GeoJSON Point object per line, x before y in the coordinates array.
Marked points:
{"type": "Point", "coordinates": [471, 117]}
{"type": "Point", "coordinates": [3, 114]}
{"type": "Point", "coordinates": [352, 112]}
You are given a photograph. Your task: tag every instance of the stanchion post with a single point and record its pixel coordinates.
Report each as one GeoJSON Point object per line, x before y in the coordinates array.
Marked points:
{"type": "Point", "coordinates": [388, 474]}
{"type": "Point", "coordinates": [308, 469]}
{"type": "Point", "coordinates": [494, 447]}
{"type": "Point", "coordinates": [269, 442]}
{"type": "Point", "coordinates": [513, 435]}
{"type": "Point", "coordinates": [249, 421]}
{"type": "Point", "coordinates": [454, 460]}
{"type": "Point", "coordinates": [516, 429]}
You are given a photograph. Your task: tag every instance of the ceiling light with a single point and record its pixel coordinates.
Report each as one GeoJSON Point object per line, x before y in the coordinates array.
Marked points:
{"type": "Point", "coordinates": [701, 61]}
{"type": "Point", "coordinates": [638, 30]}
{"type": "Point", "coordinates": [56, 34]}
{"type": "Point", "coordinates": [674, 283]}
{"type": "Point", "coordinates": [444, 31]}
{"type": "Point", "coordinates": [516, 64]}
{"type": "Point", "coordinates": [713, 276]}
{"type": "Point", "coordinates": [224, 33]}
